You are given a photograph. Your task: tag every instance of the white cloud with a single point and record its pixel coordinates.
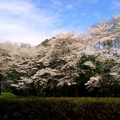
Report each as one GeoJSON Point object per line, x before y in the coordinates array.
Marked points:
{"type": "Point", "coordinates": [16, 7]}
{"type": "Point", "coordinates": [88, 1]}
{"type": "Point", "coordinates": [92, 1]}
{"type": "Point", "coordinates": [57, 3]}
{"type": "Point", "coordinates": [97, 15]}
{"type": "Point", "coordinates": [22, 21]}
{"type": "Point", "coordinates": [115, 5]}
{"type": "Point", "coordinates": [17, 33]}
{"type": "Point", "coordinates": [69, 6]}
{"type": "Point", "coordinates": [32, 22]}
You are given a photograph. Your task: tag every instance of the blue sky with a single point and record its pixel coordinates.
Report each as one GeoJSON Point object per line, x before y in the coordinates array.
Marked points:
{"type": "Point", "coordinates": [32, 21]}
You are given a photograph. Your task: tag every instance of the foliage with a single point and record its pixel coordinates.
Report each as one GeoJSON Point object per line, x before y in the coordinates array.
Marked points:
{"type": "Point", "coordinates": [57, 108]}
{"type": "Point", "coordinates": [86, 69]}
{"type": "Point", "coordinates": [100, 77]}
{"type": "Point", "coordinates": [45, 43]}
{"type": "Point", "coordinates": [106, 35]}
{"type": "Point", "coordinates": [86, 64]}
{"type": "Point", "coordinates": [7, 95]}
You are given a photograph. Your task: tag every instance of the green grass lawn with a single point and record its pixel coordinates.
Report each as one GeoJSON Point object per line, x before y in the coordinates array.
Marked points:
{"type": "Point", "coordinates": [7, 95]}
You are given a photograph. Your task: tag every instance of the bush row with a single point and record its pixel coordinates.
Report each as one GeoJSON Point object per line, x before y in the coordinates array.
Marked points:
{"type": "Point", "coordinates": [60, 109]}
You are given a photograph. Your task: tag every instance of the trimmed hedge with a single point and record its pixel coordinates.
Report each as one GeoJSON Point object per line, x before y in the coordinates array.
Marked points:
{"type": "Point", "coordinates": [60, 109]}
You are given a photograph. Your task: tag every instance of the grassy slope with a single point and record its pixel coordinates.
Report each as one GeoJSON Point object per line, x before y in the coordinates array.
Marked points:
{"type": "Point", "coordinates": [7, 95]}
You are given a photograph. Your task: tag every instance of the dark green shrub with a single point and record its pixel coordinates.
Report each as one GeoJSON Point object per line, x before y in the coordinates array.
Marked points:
{"type": "Point", "coordinates": [7, 95]}
{"type": "Point", "coordinates": [60, 109]}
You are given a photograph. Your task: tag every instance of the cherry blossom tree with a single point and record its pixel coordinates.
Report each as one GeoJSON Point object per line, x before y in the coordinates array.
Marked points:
{"type": "Point", "coordinates": [66, 65]}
